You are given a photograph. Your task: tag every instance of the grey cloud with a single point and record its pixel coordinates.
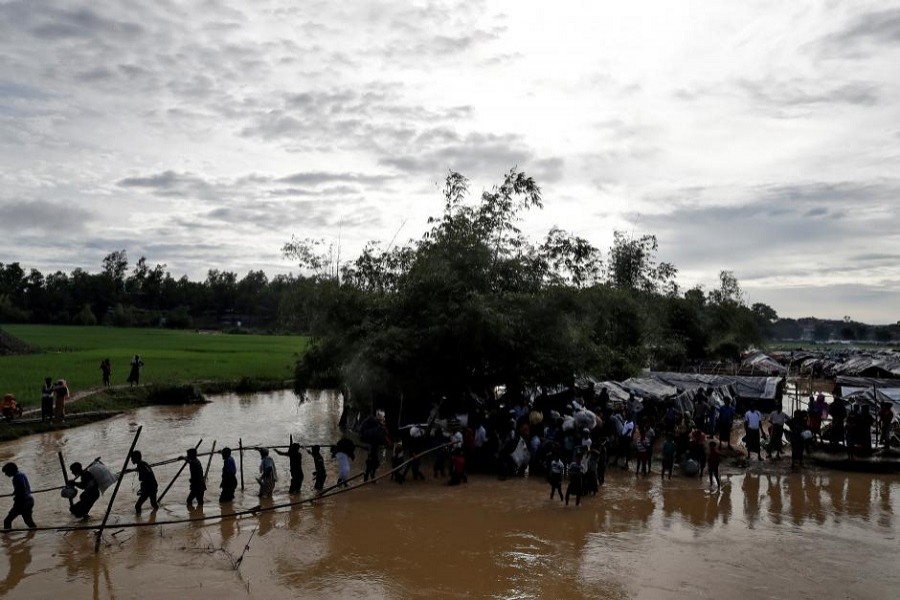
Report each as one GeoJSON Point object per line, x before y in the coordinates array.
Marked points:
{"type": "Point", "coordinates": [338, 190]}
{"type": "Point", "coordinates": [780, 96]}
{"type": "Point", "coordinates": [321, 213]}
{"type": "Point", "coordinates": [50, 23]}
{"type": "Point", "coordinates": [319, 177]}
{"type": "Point", "coordinates": [164, 180]}
{"type": "Point", "coordinates": [41, 215]}
{"type": "Point", "coordinates": [772, 226]}
{"type": "Point", "coordinates": [877, 28]}
{"type": "Point", "coordinates": [474, 155]}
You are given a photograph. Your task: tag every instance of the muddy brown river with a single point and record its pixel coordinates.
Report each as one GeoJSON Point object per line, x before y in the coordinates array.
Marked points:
{"type": "Point", "coordinates": [769, 533]}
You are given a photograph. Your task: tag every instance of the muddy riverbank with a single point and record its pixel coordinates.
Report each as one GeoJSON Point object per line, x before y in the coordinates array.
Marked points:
{"type": "Point", "coordinates": [769, 533]}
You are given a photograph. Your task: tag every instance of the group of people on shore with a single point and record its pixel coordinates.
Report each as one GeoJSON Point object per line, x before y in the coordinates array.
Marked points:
{"type": "Point", "coordinates": [54, 395]}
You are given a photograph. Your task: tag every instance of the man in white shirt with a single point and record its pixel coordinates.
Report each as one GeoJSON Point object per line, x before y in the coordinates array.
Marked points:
{"type": "Point", "coordinates": [752, 423]}
{"type": "Point", "coordinates": [777, 419]}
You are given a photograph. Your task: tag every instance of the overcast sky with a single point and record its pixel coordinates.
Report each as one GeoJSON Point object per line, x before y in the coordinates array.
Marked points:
{"type": "Point", "coordinates": [761, 137]}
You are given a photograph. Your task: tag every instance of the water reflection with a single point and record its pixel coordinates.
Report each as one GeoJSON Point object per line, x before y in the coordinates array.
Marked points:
{"type": "Point", "coordinates": [18, 553]}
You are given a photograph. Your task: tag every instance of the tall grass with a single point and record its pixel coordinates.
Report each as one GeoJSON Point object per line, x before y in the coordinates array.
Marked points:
{"type": "Point", "coordinates": [74, 354]}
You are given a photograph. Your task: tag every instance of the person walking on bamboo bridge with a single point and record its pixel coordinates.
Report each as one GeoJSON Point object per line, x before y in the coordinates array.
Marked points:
{"type": "Point", "coordinates": [197, 482]}
{"type": "Point", "coordinates": [149, 486]}
{"type": "Point", "coordinates": [229, 476]}
{"type": "Point", "coordinates": [90, 494]}
{"type": "Point", "coordinates": [23, 502]}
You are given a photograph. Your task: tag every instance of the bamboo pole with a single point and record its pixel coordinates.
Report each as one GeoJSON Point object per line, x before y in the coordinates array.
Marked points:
{"type": "Point", "coordinates": [62, 465]}
{"type": "Point", "coordinates": [183, 465]}
{"type": "Point", "coordinates": [112, 498]}
{"type": "Point", "coordinates": [209, 462]}
{"type": "Point", "coordinates": [241, 458]}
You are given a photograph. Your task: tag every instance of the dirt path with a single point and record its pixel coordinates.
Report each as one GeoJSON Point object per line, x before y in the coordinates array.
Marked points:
{"type": "Point", "coordinates": [79, 395]}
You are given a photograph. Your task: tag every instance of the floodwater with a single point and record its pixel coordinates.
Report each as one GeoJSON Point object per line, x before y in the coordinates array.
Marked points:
{"type": "Point", "coordinates": [814, 534]}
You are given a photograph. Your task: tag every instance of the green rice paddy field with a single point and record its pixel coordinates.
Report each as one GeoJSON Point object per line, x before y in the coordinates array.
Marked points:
{"type": "Point", "coordinates": [74, 354]}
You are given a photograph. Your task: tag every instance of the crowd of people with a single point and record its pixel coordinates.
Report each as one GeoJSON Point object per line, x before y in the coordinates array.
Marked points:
{"type": "Point", "coordinates": [571, 439]}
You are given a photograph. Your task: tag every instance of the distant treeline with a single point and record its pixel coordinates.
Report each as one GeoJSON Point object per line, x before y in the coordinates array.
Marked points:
{"type": "Point", "coordinates": [470, 306]}
{"type": "Point", "coordinates": [823, 330]}
{"type": "Point", "coordinates": [145, 296]}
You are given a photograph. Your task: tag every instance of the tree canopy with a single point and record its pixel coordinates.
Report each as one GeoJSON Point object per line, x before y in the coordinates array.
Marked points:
{"type": "Point", "coordinates": [474, 304]}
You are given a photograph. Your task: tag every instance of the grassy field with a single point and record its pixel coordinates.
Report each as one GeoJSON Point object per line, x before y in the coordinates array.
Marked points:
{"type": "Point", "coordinates": [74, 354]}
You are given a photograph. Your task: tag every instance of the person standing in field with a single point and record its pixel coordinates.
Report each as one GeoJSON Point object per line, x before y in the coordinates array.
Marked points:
{"type": "Point", "coordinates": [47, 400]}
{"type": "Point", "coordinates": [106, 369]}
{"type": "Point", "coordinates": [229, 476]}
{"type": "Point", "coordinates": [149, 486]}
{"type": "Point", "coordinates": [134, 376]}
{"type": "Point", "coordinates": [23, 502]}
{"type": "Point", "coordinates": [60, 395]}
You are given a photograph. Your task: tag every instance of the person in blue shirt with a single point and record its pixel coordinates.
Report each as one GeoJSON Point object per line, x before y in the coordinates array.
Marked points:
{"type": "Point", "coordinates": [23, 503]}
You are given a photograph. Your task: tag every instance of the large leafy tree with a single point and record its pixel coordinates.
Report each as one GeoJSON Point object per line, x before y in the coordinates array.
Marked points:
{"type": "Point", "coordinates": [471, 305]}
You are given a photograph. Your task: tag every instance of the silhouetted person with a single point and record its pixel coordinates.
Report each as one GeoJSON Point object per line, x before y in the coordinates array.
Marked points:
{"type": "Point", "coordinates": [149, 486]}
{"type": "Point", "coordinates": [197, 482]}
{"type": "Point", "coordinates": [134, 375]}
{"type": "Point", "coordinates": [47, 400]}
{"type": "Point", "coordinates": [90, 493]}
{"type": "Point", "coordinates": [229, 476]}
{"type": "Point", "coordinates": [295, 455]}
{"type": "Point", "coordinates": [319, 468]}
{"type": "Point", "coordinates": [106, 369]}
{"type": "Point", "coordinates": [23, 502]}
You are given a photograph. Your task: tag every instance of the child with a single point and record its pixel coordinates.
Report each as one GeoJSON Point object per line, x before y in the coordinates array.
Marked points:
{"type": "Point", "coordinates": [668, 456]}
{"type": "Point", "coordinates": [371, 463]}
{"type": "Point", "coordinates": [458, 468]}
{"type": "Point", "coordinates": [642, 450]}
{"type": "Point", "coordinates": [574, 487]}
{"type": "Point", "coordinates": [319, 468]}
{"type": "Point", "coordinates": [555, 475]}
{"type": "Point", "coordinates": [397, 474]}
{"type": "Point", "coordinates": [712, 464]}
